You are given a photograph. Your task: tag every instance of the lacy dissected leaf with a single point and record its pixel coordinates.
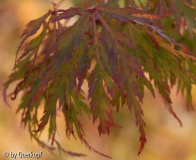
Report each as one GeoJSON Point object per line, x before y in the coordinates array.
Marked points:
{"type": "Point", "coordinates": [32, 28]}
{"type": "Point", "coordinates": [35, 43]}
{"type": "Point", "coordinates": [181, 9]}
{"type": "Point", "coordinates": [188, 12]}
{"type": "Point", "coordinates": [173, 65]}
{"type": "Point", "coordinates": [68, 13]}
{"type": "Point", "coordinates": [100, 105]}
{"type": "Point", "coordinates": [123, 14]}
{"type": "Point", "coordinates": [69, 39]}
{"type": "Point", "coordinates": [85, 55]}
{"type": "Point", "coordinates": [124, 77]}
{"type": "Point", "coordinates": [17, 75]}
{"type": "Point", "coordinates": [144, 21]}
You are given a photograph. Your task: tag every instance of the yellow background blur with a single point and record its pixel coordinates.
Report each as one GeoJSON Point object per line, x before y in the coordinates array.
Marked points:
{"type": "Point", "coordinates": [166, 140]}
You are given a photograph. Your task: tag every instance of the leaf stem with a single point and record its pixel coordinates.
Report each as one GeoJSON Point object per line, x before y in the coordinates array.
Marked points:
{"type": "Point", "coordinates": [102, 21]}
{"type": "Point", "coordinates": [56, 12]}
{"type": "Point", "coordinates": [94, 29]}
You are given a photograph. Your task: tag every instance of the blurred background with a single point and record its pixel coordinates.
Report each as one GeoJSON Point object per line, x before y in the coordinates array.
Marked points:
{"type": "Point", "coordinates": [166, 140]}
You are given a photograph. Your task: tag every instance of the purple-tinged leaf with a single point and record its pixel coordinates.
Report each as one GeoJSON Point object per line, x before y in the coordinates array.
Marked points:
{"type": "Point", "coordinates": [111, 50]}
{"type": "Point", "coordinates": [34, 26]}
{"type": "Point", "coordinates": [34, 44]}
{"type": "Point", "coordinates": [126, 15]}
{"type": "Point", "coordinates": [71, 12]}
{"type": "Point", "coordinates": [123, 14]}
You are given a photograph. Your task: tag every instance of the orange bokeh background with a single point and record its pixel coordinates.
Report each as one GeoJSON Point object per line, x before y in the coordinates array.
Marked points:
{"type": "Point", "coordinates": [166, 140]}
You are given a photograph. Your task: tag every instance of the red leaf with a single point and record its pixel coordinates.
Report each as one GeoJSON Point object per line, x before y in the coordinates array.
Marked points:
{"type": "Point", "coordinates": [104, 127]}
{"type": "Point", "coordinates": [143, 141]}
{"type": "Point", "coordinates": [153, 39]}
{"type": "Point", "coordinates": [174, 114]}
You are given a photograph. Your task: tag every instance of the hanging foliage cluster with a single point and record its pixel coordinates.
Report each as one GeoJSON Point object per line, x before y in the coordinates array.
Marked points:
{"type": "Point", "coordinates": [117, 51]}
